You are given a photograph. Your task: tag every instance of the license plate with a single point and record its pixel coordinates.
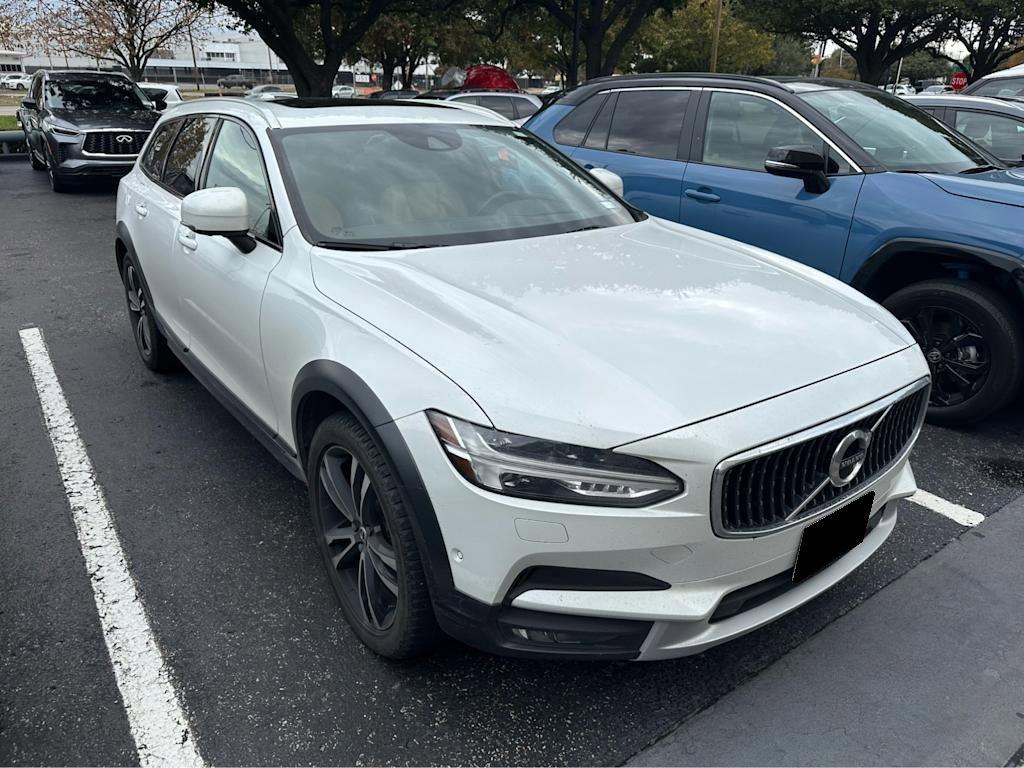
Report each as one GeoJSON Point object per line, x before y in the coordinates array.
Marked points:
{"type": "Point", "coordinates": [825, 541]}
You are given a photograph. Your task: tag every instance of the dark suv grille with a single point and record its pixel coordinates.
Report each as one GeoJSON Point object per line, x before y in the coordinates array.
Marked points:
{"type": "Point", "coordinates": [114, 142]}
{"type": "Point", "coordinates": [760, 494]}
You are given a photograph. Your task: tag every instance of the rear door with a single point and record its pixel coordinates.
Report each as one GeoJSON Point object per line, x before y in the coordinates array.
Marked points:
{"type": "Point", "coordinates": [726, 189]}
{"type": "Point", "coordinates": [642, 135]}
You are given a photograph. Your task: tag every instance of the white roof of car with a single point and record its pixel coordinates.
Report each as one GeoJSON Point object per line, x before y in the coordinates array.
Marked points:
{"type": "Point", "coordinates": [295, 113]}
{"type": "Point", "coordinates": [1016, 71]}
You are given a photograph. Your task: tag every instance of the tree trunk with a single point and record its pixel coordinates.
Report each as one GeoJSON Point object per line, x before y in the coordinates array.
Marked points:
{"type": "Point", "coordinates": [316, 80]}
{"type": "Point", "coordinates": [593, 43]}
{"type": "Point", "coordinates": [871, 66]}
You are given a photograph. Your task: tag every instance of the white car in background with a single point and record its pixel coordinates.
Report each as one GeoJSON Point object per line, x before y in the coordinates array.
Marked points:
{"type": "Point", "coordinates": [343, 92]}
{"type": "Point", "coordinates": [528, 414]}
{"type": "Point", "coordinates": [17, 81]}
{"type": "Point", "coordinates": [165, 92]}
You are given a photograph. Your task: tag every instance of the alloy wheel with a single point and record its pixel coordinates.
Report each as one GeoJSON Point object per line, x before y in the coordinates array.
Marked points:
{"type": "Point", "coordinates": [138, 310]}
{"type": "Point", "coordinates": [958, 355]}
{"type": "Point", "coordinates": [357, 539]}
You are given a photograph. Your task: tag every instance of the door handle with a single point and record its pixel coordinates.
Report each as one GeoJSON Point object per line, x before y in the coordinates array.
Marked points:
{"type": "Point", "coordinates": [703, 197]}
{"type": "Point", "coordinates": [187, 238]}
{"type": "Point", "coordinates": [142, 210]}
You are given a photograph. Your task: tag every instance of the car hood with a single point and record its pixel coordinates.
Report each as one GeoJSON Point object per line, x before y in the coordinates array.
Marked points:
{"type": "Point", "coordinates": [604, 337]}
{"type": "Point", "coordinates": [1004, 186]}
{"type": "Point", "coordinates": [94, 119]}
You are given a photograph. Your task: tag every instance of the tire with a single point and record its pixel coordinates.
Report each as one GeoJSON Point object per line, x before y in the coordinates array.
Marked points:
{"type": "Point", "coordinates": [360, 535]}
{"type": "Point", "coordinates": [989, 355]}
{"type": "Point", "coordinates": [151, 343]}
{"type": "Point", "coordinates": [36, 165]}
{"type": "Point", "coordinates": [57, 182]}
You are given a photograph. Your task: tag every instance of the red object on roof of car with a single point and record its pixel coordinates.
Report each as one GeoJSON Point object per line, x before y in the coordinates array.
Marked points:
{"type": "Point", "coordinates": [490, 77]}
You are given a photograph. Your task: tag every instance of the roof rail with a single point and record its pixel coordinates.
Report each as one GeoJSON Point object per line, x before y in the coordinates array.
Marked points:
{"type": "Point", "coordinates": [701, 75]}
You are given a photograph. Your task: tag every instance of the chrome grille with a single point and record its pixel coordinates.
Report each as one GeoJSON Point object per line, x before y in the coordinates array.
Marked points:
{"type": "Point", "coordinates": [114, 142]}
{"type": "Point", "coordinates": [763, 493]}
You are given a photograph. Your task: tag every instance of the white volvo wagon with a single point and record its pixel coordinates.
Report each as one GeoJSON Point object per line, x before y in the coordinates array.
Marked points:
{"type": "Point", "coordinates": [529, 415]}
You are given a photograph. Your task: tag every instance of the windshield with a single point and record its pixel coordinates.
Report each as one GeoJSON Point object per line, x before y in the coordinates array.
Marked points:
{"type": "Point", "coordinates": [430, 184]}
{"type": "Point", "coordinates": [95, 93]}
{"type": "Point", "coordinates": [898, 135]}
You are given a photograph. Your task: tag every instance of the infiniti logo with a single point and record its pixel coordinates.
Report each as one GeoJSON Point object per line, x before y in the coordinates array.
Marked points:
{"type": "Point", "coordinates": [124, 138]}
{"type": "Point", "coordinates": [848, 458]}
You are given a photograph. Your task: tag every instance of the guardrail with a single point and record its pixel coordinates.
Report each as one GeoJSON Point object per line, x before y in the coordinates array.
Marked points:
{"type": "Point", "coordinates": [12, 143]}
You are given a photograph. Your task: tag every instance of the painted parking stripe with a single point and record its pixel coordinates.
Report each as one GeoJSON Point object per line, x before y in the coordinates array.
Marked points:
{"type": "Point", "coordinates": [962, 515]}
{"type": "Point", "coordinates": [157, 721]}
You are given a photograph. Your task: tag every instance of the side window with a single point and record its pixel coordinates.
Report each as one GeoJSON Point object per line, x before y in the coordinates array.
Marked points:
{"type": "Point", "coordinates": [235, 162]}
{"type": "Point", "coordinates": [742, 128]}
{"type": "Point", "coordinates": [35, 89]}
{"type": "Point", "coordinates": [185, 159]}
{"type": "Point", "coordinates": [1002, 136]}
{"type": "Point", "coordinates": [467, 100]}
{"type": "Point", "coordinates": [1001, 88]}
{"type": "Point", "coordinates": [571, 130]}
{"type": "Point", "coordinates": [524, 107]}
{"type": "Point", "coordinates": [648, 123]}
{"type": "Point", "coordinates": [500, 104]}
{"type": "Point", "coordinates": [153, 161]}
{"type": "Point", "coordinates": [598, 136]}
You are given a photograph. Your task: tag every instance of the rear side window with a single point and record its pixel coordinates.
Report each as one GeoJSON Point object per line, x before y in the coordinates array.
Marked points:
{"type": "Point", "coordinates": [524, 107]}
{"type": "Point", "coordinates": [648, 123]}
{"type": "Point", "coordinates": [598, 136]}
{"type": "Point", "coordinates": [1002, 136]}
{"type": "Point", "coordinates": [500, 104]}
{"type": "Point", "coordinates": [574, 126]}
{"type": "Point", "coordinates": [153, 161]}
{"type": "Point", "coordinates": [185, 159]}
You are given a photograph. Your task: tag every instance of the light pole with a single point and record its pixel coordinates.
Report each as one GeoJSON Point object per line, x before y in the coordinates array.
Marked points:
{"type": "Point", "coordinates": [715, 34]}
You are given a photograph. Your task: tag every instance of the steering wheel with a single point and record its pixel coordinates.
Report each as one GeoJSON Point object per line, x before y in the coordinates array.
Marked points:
{"type": "Point", "coordinates": [506, 196]}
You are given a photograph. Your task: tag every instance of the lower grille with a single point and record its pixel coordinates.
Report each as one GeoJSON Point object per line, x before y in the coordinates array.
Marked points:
{"type": "Point", "coordinates": [114, 142]}
{"type": "Point", "coordinates": [764, 492]}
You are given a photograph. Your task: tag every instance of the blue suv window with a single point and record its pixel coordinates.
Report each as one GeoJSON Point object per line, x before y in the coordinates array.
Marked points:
{"type": "Point", "coordinates": [573, 128]}
{"type": "Point", "coordinates": [648, 123]}
{"type": "Point", "coordinates": [742, 128]}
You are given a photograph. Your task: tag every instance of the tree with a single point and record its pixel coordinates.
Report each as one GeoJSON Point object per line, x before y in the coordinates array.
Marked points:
{"type": "Point", "coordinates": [128, 32]}
{"type": "Point", "coordinates": [792, 56]}
{"type": "Point", "coordinates": [680, 41]}
{"type": "Point", "coordinates": [311, 37]}
{"type": "Point", "coordinates": [923, 66]}
{"type": "Point", "coordinates": [876, 33]}
{"type": "Point", "coordinates": [992, 31]}
{"type": "Point", "coordinates": [15, 22]}
{"type": "Point", "coordinates": [838, 65]}
{"type": "Point", "coordinates": [604, 28]}
{"type": "Point", "coordinates": [398, 41]}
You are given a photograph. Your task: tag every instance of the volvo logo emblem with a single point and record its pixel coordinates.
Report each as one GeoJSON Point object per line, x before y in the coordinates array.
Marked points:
{"type": "Point", "coordinates": [124, 138]}
{"type": "Point", "coordinates": [848, 458]}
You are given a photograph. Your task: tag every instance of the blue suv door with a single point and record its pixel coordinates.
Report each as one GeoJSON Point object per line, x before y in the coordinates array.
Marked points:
{"type": "Point", "coordinates": [726, 189]}
{"type": "Point", "coordinates": [638, 134]}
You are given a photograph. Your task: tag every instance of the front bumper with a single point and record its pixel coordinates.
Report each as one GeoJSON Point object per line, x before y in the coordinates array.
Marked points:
{"type": "Point", "coordinates": [71, 162]}
{"type": "Point", "coordinates": [492, 541]}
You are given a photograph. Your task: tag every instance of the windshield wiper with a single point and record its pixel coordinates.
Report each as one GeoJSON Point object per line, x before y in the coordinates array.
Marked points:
{"type": "Point", "coordinates": [582, 229]}
{"type": "Point", "coordinates": [354, 245]}
{"type": "Point", "coordinates": [981, 169]}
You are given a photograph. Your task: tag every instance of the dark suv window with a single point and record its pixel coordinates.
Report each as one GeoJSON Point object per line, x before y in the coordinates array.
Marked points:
{"type": "Point", "coordinates": [573, 128]}
{"type": "Point", "coordinates": [186, 156]}
{"type": "Point", "coordinates": [648, 123]}
{"type": "Point", "coordinates": [153, 160]}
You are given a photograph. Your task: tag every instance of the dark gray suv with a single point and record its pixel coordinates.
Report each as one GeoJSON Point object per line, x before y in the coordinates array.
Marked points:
{"type": "Point", "coordinates": [82, 125]}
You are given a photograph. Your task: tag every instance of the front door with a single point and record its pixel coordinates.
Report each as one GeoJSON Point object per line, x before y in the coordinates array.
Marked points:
{"type": "Point", "coordinates": [223, 288]}
{"type": "Point", "coordinates": [728, 191]}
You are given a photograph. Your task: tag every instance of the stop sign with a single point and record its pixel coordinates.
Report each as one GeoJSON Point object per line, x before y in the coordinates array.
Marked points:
{"type": "Point", "coordinates": [958, 81]}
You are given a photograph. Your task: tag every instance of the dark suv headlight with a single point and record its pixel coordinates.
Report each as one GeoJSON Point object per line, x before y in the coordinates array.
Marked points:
{"type": "Point", "coordinates": [516, 465]}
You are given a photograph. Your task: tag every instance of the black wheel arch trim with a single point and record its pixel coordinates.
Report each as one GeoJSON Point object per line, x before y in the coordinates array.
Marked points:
{"type": "Point", "coordinates": [348, 388]}
{"type": "Point", "coordinates": [1012, 266]}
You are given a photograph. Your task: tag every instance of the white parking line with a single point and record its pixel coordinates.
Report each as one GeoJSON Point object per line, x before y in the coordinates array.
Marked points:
{"type": "Point", "coordinates": [962, 515]}
{"type": "Point", "coordinates": [157, 721]}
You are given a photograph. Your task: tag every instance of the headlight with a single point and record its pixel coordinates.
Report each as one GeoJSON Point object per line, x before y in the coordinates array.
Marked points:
{"type": "Point", "coordinates": [60, 130]}
{"type": "Point", "coordinates": [516, 465]}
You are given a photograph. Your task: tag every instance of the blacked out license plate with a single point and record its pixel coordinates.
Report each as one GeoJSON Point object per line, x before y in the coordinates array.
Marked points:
{"type": "Point", "coordinates": [825, 541]}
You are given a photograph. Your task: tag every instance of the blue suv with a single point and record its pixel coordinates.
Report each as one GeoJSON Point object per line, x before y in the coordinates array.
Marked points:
{"type": "Point", "coordinates": [840, 176]}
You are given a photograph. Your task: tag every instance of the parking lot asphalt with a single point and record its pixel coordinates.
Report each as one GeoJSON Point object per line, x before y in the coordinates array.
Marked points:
{"type": "Point", "coordinates": [218, 541]}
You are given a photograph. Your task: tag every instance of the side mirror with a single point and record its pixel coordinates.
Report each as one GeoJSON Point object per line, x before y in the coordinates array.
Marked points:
{"type": "Point", "coordinates": [220, 211]}
{"type": "Point", "coordinates": [610, 179]}
{"type": "Point", "coordinates": [799, 162]}
{"type": "Point", "coordinates": [159, 105]}
{"type": "Point", "coordinates": [29, 103]}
